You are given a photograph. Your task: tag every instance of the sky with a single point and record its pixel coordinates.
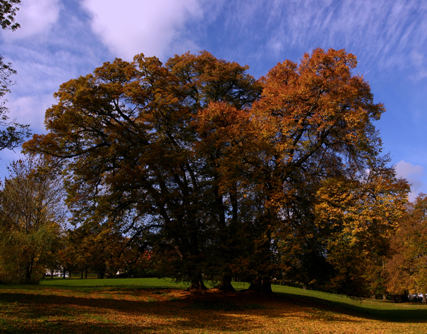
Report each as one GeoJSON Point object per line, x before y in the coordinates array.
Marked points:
{"type": "Point", "coordinates": [62, 39]}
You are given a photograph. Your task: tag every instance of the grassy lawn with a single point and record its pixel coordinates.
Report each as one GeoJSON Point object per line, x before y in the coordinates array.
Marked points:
{"type": "Point", "coordinates": [162, 305]}
{"type": "Point", "coordinates": [123, 283]}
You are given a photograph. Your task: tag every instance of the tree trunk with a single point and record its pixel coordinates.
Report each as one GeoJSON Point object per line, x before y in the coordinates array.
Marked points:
{"type": "Point", "coordinates": [262, 285]}
{"type": "Point", "coordinates": [29, 271]}
{"type": "Point", "coordinates": [197, 285]}
{"type": "Point", "coordinates": [197, 282]}
{"type": "Point", "coordinates": [225, 284]}
{"type": "Point", "coordinates": [424, 298]}
{"type": "Point", "coordinates": [28, 274]}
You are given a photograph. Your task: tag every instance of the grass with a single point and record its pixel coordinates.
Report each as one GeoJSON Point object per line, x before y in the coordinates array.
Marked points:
{"type": "Point", "coordinates": [385, 310]}
{"type": "Point", "coordinates": [163, 305]}
{"type": "Point", "coordinates": [123, 283]}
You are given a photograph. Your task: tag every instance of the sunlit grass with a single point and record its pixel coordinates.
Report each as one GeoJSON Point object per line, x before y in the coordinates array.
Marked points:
{"type": "Point", "coordinates": [167, 283]}
{"type": "Point", "coordinates": [163, 305]}
{"type": "Point", "coordinates": [147, 283]}
{"type": "Point", "coordinates": [337, 298]}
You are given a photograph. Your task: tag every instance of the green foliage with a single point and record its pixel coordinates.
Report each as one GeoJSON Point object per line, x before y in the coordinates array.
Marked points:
{"type": "Point", "coordinates": [407, 267]}
{"type": "Point", "coordinates": [357, 218]}
{"type": "Point", "coordinates": [29, 215]}
{"type": "Point", "coordinates": [23, 255]}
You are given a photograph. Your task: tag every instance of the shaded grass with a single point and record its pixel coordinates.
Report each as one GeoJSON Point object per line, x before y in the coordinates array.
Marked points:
{"type": "Point", "coordinates": [162, 305]}
{"type": "Point", "coordinates": [383, 310]}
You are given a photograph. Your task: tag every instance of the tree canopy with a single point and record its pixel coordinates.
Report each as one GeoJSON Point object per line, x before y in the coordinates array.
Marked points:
{"type": "Point", "coordinates": [407, 267]}
{"type": "Point", "coordinates": [30, 217]}
{"type": "Point", "coordinates": [224, 176]}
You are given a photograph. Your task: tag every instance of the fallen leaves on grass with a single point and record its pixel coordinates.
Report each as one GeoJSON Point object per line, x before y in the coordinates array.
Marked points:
{"type": "Point", "coordinates": [112, 310]}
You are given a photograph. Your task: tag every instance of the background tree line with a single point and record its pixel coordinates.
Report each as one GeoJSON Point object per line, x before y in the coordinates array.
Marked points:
{"type": "Point", "coordinates": [207, 173]}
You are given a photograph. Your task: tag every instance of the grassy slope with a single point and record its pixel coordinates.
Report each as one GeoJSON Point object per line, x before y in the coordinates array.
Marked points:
{"type": "Point", "coordinates": [161, 305]}
{"type": "Point", "coordinates": [375, 309]}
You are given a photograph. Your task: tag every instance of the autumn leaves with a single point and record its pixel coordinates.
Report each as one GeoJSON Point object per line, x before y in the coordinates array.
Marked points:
{"type": "Point", "coordinates": [223, 175]}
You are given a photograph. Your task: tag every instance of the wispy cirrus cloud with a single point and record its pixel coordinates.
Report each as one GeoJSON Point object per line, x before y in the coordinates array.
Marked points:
{"type": "Point", "coordinates": [52, 46]}
{"type": "Point", "coordinates": [383, 34]}
{"type": "Point", "coordinates": [60, 40]}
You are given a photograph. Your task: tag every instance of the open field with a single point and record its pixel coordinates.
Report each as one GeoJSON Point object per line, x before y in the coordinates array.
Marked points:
{"type": "Point", "coordinates": [161, 305]}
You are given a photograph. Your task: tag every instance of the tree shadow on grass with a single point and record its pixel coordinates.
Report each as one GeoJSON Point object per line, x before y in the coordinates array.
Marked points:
{"type": "Point", "coordinates": [391, 315]}
{"type": "Point", "coordinates": [69, 314]}
{"type": "Point", "coordinates": [225, 312]}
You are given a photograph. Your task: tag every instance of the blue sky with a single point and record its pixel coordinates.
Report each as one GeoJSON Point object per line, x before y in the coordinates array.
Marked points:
{"type": "Point", "coordinates": [62, 39]}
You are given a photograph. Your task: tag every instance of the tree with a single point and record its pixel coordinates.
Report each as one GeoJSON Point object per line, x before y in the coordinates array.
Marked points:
{"type": "Point", "coordinates": [313, 121]}
{"type": "Point", "coordinates": [8, 9]}
{"type": "Point", "coordinates": [127, 137]}
{"type": "Point", "coordinates": [11, 133]}
{"type": "Point", "coordinates": [406, 269]}
{"type": "Point", "coordinates": [224, 131]}
{"type": "Point", "coordinates": [212, 169]}
{"type": "Point", "coordinates": [356, 218]}
{"type": "Point", "coordinates": [101, 249]}
{"type": "Point", "coordinates": [30, 210]}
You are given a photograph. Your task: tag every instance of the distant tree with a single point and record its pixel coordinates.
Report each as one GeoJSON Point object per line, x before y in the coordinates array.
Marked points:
{"type": "Point", "coordinates": [100, 248]}
{"type": "Point", "coordinates": [356, 218]}
{"type": "Point", "coordinates": [407, 268]}
{"type": "Point", "coordinates": [30, 213]}
{"type": "Point", "coordinates": [103, 250]}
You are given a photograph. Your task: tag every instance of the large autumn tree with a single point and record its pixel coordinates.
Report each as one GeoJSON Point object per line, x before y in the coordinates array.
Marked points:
{"type": "Point", "coordinates": [126, 134]}
{"type": "Point", "coordinates": [314, 120]}
{"type": "Point", "coordinates": [212, 168]}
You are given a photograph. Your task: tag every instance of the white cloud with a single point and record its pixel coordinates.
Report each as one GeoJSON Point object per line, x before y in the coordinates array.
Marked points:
{"type": "Point", "coordinates": [155, 28]}
{"type": "Point", "coordinates": [413, 174]}
{"type": "Point", "coordinates": [35, 17]}
{"type": "Point", "coordinates": [66, 51]}
{"type": "Point", "coordinates": [30, 110]}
